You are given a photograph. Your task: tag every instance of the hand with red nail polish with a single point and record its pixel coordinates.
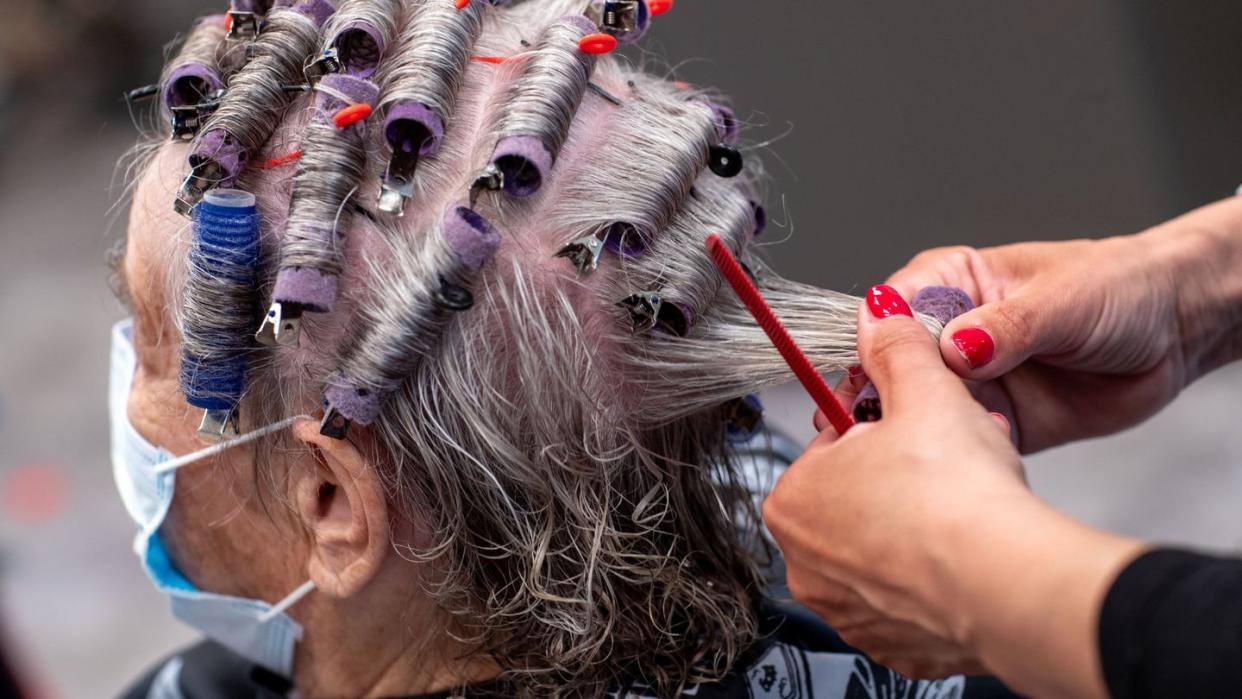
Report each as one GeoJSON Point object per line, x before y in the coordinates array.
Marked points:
{"type": "Point", "coordinates": [907, 534]}
{"type": "Point", "coordinates": [1086, 338]}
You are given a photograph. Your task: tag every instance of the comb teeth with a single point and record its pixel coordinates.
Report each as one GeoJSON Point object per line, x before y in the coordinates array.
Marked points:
{"type": "Point", "coordinates": [794, 356]}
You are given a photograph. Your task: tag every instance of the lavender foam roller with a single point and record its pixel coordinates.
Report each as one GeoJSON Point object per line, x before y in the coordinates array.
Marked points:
{"type": "Point", "coordinates": [944, 303]}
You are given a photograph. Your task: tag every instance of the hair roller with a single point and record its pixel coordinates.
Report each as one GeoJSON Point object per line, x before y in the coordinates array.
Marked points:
{"type": "Point", "coordinates": [256, 95]}
{"type": "Point", "coordinates": [723, 157]}
{"type": "Point", "coordinates": [673, 270]}
{"type": "Point", "coordinates": [540, 107]}
{"type": "Point", "coordinates": [219, 303]}
{"type": "Point", "coordinates": [361, 32]}
{"type": "Point", "coordinates": [628, 218]}
{"type": "Point", "coordinates": [193, 76]}
{"type": "Point", "coordinates": [429, 288]}
{"type": "Point", "coordinates": [420, 88]}
{"type": "Point", "coordinates": [329, 172]}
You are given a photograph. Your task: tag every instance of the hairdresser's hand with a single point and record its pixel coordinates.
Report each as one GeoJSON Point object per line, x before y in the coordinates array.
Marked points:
{"type": "Point", "coordinates": [917, 538]}
{"type": "Point", "coordinates": [1090, 337]}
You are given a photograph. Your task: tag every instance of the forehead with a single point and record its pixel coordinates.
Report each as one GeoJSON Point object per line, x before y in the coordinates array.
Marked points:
{"type": "Point", "coordinates": [155, 239]}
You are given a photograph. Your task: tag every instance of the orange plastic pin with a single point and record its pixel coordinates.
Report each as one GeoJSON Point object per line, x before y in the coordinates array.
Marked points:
{"type": "Point", "coordinates": [659, 7]}
{"type": "Point", "coordinates": [351, 115]}
{"type": "Point", "coordinates": [599, 43]}
{"type": "Point", "coordinates": [491, 60]}
{"type": "Point", "coordinates": [228, 23]}
{"type": "Point", "coordinates": [461, 4]}
{"type": "Point", "coordinates": [281, 160]}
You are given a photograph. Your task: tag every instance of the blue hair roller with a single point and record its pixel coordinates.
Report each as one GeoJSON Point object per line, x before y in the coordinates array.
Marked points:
{"type": "Point", "coordinates": [222, 290]}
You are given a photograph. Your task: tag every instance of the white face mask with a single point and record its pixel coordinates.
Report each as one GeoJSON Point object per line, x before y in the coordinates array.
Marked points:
{"type": "Point", "coordinates": [145, 474]}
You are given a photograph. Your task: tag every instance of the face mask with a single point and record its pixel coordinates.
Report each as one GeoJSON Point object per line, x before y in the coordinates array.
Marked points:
{"type": "Point", "coordinates": [145, 474]}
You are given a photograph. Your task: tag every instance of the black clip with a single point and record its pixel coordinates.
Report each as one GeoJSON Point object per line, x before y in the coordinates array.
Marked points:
{"type": "Point", "coordinates": [452, 297]}
{"type": "Point", "coordinates": [725, 161]}
{"type": "Point", "coordinates": [243, 26]}
{"type": "Point", "coordinates": [142, 94]}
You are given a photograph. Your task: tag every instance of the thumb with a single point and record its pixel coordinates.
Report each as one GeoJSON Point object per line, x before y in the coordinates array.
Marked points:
{"type": "Point", "coordinates": [900, 356]}
{"type": "Point", "coordinates": [993, 339]}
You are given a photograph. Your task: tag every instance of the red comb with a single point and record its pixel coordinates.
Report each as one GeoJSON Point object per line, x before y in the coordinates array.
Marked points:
{"type": "Point", "coordinates": [794, 357]}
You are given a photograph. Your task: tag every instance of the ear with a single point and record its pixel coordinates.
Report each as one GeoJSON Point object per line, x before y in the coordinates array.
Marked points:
{"type": "Point", "coordinates": [341, 502]}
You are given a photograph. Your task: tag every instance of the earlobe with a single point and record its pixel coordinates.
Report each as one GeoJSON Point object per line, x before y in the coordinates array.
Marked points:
{"type": "Point", "coordinates": [341, 502]}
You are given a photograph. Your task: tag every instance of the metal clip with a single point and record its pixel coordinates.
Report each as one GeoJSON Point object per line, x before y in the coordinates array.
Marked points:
{"type": "Point", "coordinates": [617, 16]}
{"type": "Point", "coordinates": [452, 297]}
{"type": "Point", "coordinates": [218, 425]}
{"type": "Point", "coordinates": [584, 253]}
{"type": "Point", "coordinates": [203, 177]}
{"type": "Point", "coordinates": [186, 121]}
{"type": "Point", "coordinates": [644, 309]}
{"type": "Point", "coordinates": [334, 425]}
{"type": "Point", "coordinates": [189, 119]}
{"type": "Point", "coordinates": [243, 26]}
{"type": "Point", "coordinates": [282, 326]}
{"type": "Point", "coordinates": [329, 62]}
{"type": "Point", "coordinates": [398, 185]}
{"type": "Point", "coordinates": [490, 180]}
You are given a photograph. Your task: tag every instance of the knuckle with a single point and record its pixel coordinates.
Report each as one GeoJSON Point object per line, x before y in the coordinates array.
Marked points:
{"type": "Point", "coordinates": [1014, 319]}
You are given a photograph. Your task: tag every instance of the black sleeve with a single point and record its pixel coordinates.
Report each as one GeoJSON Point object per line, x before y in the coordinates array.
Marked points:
{"type": "Point", "coordinates": [1171, 626]}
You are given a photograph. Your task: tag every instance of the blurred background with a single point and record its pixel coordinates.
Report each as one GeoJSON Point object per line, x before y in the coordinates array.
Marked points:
{"type": "Point", "coordinates": [894, 126]}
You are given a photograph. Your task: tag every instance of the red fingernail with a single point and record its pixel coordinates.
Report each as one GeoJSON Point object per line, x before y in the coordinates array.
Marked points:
{"type": "Point", "coordinates": [884, 302]}
{"type": "Point", "coordinates": [976, 346]}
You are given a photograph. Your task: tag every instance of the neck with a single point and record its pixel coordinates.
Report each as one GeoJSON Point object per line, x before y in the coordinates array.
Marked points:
{"type": "Point", "coordinates": [382, 643]}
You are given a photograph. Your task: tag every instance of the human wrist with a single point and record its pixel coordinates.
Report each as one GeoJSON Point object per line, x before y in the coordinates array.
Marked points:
{"type": "Point", "coordinates": [1199, 255]}
{"type": "Point", "coordinates": [1023, 590]}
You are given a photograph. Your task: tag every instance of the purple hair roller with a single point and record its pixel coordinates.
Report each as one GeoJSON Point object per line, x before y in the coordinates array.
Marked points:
{"type": "Point", "coordinates": [328, 100]}
{"type": "Point", "coordinates": [472, 242]}
{"type": "Point", "coordinates": [360, 47]}
{"type": "Point", "coordinates": [944, 303]}
{"type": "Point", "coordinates": [413, 131]}
{"type": "Point", "coordinates": [220, 155]}
{"type": "Point", "coordinates": [761, 217]}
{"type": "Point", "coordinates": [319, 11]}
{"type": "Point", "coordinates": [524, 162]}
{"type": "Point", "coordinates": [727, 127]}
{"type": "Point", "coordinates": [470, 237]}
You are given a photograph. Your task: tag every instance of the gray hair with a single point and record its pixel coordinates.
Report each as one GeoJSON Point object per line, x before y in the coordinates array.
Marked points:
{"type": "Point", "coordinates": [587, 520]}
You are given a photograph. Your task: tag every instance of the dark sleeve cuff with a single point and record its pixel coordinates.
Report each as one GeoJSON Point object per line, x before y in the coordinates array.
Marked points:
{"type": "Point", "coordinates": [1171, 626]}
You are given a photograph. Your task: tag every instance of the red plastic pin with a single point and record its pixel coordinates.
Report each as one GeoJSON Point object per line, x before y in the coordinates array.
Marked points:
{"type": "Point", "coordinates": [228, 23]}
{"type": "Point", "coordinates": [461, 4]}
{"type": "Point", "coordinates": [659, 7]}
{"type": "Point", "coordinates": [490, 60]}
{"type": "Point", "coordinates": [351, 115]}
{"type": "Point", "coordinates": [794, 356]}
{"type": "Point", "coordinates": [598, 43]}
{"type": "Point", "coordinates": [281, 160]}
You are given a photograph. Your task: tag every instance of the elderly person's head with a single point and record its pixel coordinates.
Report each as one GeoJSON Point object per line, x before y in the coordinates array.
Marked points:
{"type": "Point", "coordinates": [524, 471]}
